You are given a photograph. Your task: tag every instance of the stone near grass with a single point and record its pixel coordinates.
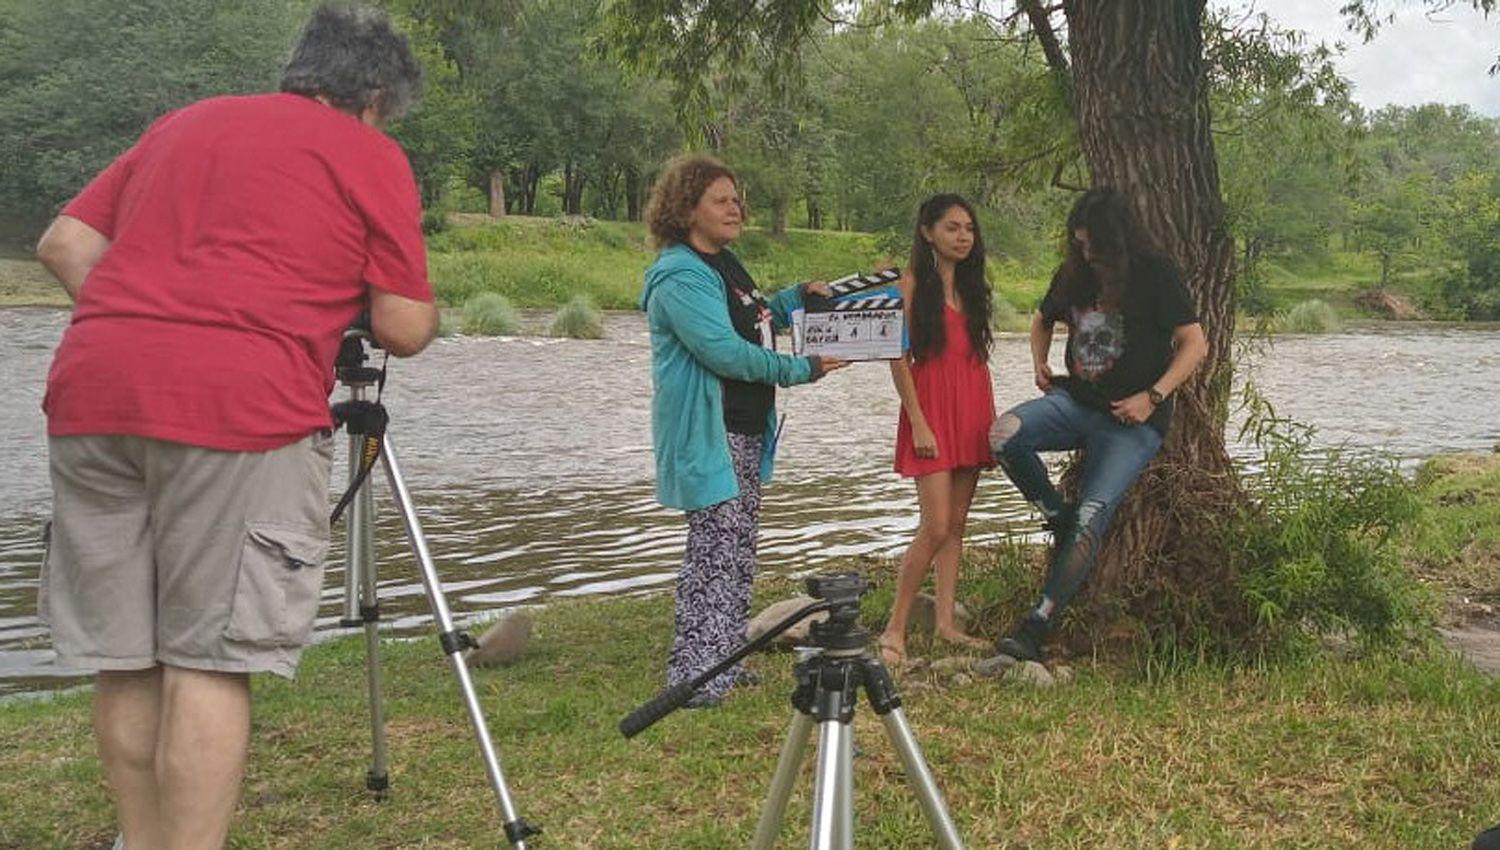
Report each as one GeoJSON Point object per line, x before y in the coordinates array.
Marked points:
{"type": "Point", "coordinates": [1031, 673]}
{"type": "Point", "coordinates": [1062, 674]}
{"type": "Point", "coordinates": [503, 642]}
{"type": "Point", "coordinates": [774, 613]}
{"type": "Point", "coordinates": [953, 664]}
{"type": "Point", "coordinates": [994, 667]}
{"type": "Point", "coordinates": [923, 618]}
{"type": "Point", "coordinates": [961, 680]}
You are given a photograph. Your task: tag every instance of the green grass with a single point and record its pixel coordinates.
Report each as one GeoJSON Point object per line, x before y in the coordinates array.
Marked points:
{"type": "Point", "coordinates": [578, 319]}
{"type": "Point", "coordinates": [24, 283]}
{"type": "Point", "coordinates": [1311, 317]}
{"type": "Point", "coordinates": [489, 314]}
{"type": "Point", "coordinates": [544, 262]}
{"type": "Point", "coordinates": [1363, 749]}
{"type": "Point", "coordinates": [1374, 752]}
{"type": "Point", "coordinates": [1457, 544]}
{"type": "Point", "coordinates": [1337, 277]}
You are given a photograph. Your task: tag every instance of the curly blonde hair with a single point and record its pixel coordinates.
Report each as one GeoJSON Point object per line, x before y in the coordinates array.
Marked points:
{"type": "Point", "coordinates": [677, 191]}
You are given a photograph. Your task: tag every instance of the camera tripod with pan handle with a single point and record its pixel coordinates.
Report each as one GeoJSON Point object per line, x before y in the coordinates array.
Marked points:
{"type": "Point", "coordinates": [365, 420]}
{"type": "Point", "coordinates": [829, 677]}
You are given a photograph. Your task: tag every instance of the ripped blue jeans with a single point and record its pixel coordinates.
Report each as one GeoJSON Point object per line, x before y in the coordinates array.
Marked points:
{"type": "Point", "coordinates": [1113, 456]}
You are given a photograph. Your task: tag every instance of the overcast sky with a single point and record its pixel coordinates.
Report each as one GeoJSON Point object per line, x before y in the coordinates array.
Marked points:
{"type": "Point", "coordinates": [1420, 58]}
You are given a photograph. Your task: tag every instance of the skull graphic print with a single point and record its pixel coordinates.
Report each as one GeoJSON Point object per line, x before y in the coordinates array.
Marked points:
{"type": "Point", "coordinates": [1098, 340]}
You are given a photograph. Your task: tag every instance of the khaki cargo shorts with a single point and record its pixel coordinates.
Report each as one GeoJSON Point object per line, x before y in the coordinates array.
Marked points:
{"type": "Point", "coordinates": [164, 553]}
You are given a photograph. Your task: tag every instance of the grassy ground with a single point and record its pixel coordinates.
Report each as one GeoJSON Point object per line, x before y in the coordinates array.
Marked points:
{"type": "Point", "coordinates": [1337, 278]}
{"type": "Point", "coordinates": [23, 283]}
{"type": "Point", "coordinates": [1457, 545]}
{"type": "Point", "coordinates": [1389, 750]}
{"type": "Point", "coordinates": [545, 262]}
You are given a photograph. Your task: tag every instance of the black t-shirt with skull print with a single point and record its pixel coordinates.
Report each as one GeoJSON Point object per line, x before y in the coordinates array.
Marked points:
{"type": "Point", "coordinates": [1116, 353]}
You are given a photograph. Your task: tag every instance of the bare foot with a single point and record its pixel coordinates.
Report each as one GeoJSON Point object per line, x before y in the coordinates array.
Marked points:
{"type": "Point", "coordinates": [892, 652]}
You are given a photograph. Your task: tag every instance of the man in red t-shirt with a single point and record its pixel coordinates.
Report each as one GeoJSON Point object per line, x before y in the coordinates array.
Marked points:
{"type": "Point", "coordinates": [215, 266]}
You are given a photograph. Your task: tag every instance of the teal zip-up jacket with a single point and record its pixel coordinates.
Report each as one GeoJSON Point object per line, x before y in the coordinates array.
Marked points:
{"type": "Point", "coordinates": [692, 344]}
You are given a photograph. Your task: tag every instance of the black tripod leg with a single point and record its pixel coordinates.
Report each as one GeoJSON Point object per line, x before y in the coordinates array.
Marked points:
{"type": "Point", "coordinates": [454, 642]}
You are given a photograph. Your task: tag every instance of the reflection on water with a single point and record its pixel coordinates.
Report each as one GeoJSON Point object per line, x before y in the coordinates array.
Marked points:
{"type": "Point", "coordinates": [530, 462]}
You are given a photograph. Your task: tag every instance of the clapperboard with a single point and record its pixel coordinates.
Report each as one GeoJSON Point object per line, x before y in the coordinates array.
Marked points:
{"type": "Point", "coordinates": [860, 320]}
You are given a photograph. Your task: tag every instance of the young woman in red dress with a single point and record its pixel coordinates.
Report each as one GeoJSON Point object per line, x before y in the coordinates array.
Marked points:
{"type": "Point", "coordinates": [947, 407]}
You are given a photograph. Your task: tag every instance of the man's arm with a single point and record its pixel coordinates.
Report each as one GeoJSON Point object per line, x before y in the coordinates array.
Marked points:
{"type": "Point", "coordinates": [1191, 347]}
{"type": "Point", "coordinates": [69, 250]}
{"type": "Point", "coordinates": [403, 326]}
{"type": "Point", "coordinates": [1041, 349]}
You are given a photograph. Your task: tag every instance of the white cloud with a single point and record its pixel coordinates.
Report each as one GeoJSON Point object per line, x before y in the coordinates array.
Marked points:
{"type": "Point", "coordinates": [1421, 57]}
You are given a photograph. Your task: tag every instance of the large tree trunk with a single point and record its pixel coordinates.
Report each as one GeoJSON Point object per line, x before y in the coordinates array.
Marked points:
{"type": "Point", "coordinates": [1143, 116]}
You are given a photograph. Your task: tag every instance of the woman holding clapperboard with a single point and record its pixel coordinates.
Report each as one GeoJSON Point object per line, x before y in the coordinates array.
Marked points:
{"type": "Point", "coordinates": [714, 373]}
{"type": "Point", "coordinates": [947, 407]}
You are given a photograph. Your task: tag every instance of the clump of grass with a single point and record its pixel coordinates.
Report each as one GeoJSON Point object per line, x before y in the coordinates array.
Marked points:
{"type": "Point", "coordinates": [490, 314]}
{"type": "Point", "coordinates": [579, 319]}
{"type": "Point", "coordinates": [1005, 317]}
{"type": "Point", "coordinates": [1311, 317]}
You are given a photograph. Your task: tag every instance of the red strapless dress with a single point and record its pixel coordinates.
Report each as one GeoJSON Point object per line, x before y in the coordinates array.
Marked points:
{"type": "Point", "coordinates": [959, 402]}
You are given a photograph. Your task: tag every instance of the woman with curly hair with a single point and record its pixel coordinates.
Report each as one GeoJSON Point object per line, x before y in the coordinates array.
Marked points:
{"type": "Point", "coordinates": [947, 407]}
{"type": "Point", "coordinates": [714, 373]}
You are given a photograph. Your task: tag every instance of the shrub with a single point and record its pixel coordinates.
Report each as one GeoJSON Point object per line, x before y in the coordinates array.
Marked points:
{"type": "Point", "coordinates": [1318, 544]}
{"type": "Point", "coordinates": [490, 314]}
{"type": "Point", "coordinates": [578, 319]}
{"type": "Point", "coordinates": [1311, 317]}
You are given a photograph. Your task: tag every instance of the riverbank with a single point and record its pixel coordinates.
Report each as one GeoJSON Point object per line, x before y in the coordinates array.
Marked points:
{"type": "Point", "coordinates": [544, 262]}
{"type": "Point", "coordinates": [1391, 749]}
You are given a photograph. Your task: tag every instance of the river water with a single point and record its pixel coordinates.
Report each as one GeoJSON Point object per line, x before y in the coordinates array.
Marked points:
{"type": "Point", "coordinates": [529, 460]}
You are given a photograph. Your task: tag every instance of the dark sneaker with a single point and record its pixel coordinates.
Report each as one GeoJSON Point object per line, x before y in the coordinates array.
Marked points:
{"type": "Point", "coordinates": [1058, 525]}
{"type": "Point", "coordinates": [1488, 840]}
{"type": "Point", "coordinates": [1025, 642]}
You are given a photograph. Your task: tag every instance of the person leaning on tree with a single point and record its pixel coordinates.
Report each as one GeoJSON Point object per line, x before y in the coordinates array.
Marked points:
{"type": "Point", "coordinates": [1133, 339]}
{"type": "Point", "coordinates": [215, 266]}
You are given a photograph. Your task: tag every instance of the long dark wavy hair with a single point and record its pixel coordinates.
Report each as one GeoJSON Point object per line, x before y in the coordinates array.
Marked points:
{"type": "Point", "coordinates": [1119, 245]}
{"type": "Point", "coordinates": [928, 331]}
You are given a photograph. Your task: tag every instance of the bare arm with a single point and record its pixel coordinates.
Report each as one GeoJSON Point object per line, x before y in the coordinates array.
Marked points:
{"type": "Point", "coordinates": [69, 250]}
{"type": "Point", "coordinates": [923, 440]}
{"type": "Point", "coordinates": [1191, 348]}
{"type": "Point", "coordinates": [403, 326]}
{"type": "Point", "coordinates": [1041, 347]}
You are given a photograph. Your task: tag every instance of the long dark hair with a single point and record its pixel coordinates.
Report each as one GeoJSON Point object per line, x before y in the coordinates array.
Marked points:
{"type": "Point", "coordinates": [928, 331]}
{"type": "Point", "coordinates": [1117, 241]}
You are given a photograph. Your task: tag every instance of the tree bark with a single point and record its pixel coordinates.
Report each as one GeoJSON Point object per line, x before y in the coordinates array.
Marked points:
{"type": "Point", "coordinates": [1143, 115]}
{"type": "Point", "coordinates": [497, 194]}
{"type": "Point", "coordinates": [633, 193]}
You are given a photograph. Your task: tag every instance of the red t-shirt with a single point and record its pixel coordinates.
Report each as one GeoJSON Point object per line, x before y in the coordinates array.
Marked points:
{"type": "Point", "coordinates": [243, 232]}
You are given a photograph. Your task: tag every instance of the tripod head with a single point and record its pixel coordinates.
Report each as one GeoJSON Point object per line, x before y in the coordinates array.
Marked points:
{"type": "Point", "coordinates": [349, 366]}
{"type": "Point", "coordinates": [841, 593]}
{"type": "Point", "coordinates": [836, 593]}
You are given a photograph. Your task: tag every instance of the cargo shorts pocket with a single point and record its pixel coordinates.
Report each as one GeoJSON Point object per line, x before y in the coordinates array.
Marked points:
{"type": "Point", "coordinates": [279, 583]}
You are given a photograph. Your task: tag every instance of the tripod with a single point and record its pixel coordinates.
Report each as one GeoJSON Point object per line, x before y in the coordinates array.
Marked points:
{"type": "Point", "coordinates": [365, 420]}
{"type": "Point", "coordinates": [828, 681]}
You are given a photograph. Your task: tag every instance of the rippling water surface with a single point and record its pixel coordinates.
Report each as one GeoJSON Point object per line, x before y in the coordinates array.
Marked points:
{"type": "Point", "coordinates": [530, 461]}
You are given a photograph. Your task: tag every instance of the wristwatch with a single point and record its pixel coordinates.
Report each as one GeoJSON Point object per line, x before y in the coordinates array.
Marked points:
{"type": "Point", "coordinates": [1156, 397]}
